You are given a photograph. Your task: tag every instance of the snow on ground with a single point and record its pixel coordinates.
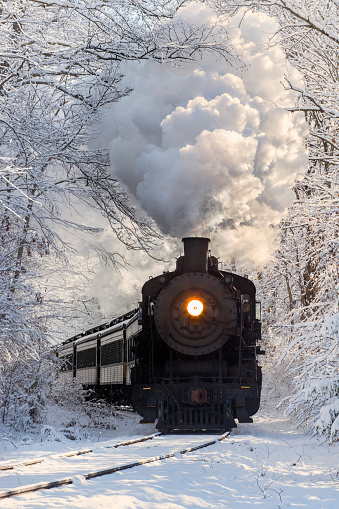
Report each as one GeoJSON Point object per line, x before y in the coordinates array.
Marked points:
{"type": "Point", "coordinates": [267, 464]}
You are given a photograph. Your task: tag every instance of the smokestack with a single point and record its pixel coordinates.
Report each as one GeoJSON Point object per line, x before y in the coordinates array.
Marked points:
{"type": "Point", "coordinates": [195, 254]}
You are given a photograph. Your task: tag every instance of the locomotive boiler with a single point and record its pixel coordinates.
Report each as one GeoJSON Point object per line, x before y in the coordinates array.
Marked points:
{"type": "Point", "coordinates": [187, 358]}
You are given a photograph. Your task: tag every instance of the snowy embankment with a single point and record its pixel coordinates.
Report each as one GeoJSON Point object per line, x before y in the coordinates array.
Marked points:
{"type": "Point", "coordinates": [267, 464]}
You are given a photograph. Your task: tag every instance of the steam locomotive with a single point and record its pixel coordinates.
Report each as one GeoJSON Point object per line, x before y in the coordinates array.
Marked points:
{"type": "Point", "coordinates": [187, 357]}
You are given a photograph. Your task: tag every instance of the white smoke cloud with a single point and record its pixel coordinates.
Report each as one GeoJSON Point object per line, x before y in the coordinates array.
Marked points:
{"type": "Point", "coordinates": [207, 152]}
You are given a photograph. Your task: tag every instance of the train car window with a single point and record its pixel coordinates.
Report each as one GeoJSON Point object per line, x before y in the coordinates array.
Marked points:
{"type": "Point", "coordinates": [112, 353]}
{"type": "Point", "coordinates": [258, 310]}
{"type": "Point", "coordinates": [130, 347]}
{"type": "Point", "coordinates": [151, 308]}
{"type": "Point", "coordinates": [246, 306]}
{"type": "Point", "coordinates": [87, 358]}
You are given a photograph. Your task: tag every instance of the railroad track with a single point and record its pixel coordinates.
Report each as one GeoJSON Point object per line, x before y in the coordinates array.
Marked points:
{"type": "Point", "coordinates": [35, 461]}
{"type": "Point", "coordinates": [100, 472]}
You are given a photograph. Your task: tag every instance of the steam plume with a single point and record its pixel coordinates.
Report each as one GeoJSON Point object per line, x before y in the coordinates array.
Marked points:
{"type": "Point", "coordinates": [205, 151]}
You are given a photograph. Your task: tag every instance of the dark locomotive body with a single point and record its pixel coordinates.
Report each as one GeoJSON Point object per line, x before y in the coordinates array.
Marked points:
{"type": "Point", "coordinates": [188, 357]}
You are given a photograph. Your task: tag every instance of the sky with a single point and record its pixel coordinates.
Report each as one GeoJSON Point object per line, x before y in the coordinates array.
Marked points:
{"type": "Point", "coordinates": [206, 150]}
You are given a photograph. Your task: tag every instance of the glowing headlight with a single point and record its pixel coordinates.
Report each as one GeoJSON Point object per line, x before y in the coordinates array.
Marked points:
{"type": "Point", "coordinates": [195, 307]}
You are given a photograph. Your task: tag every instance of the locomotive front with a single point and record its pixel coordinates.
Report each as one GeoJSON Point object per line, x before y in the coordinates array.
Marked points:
{"type": "Point", "coordinates": [196, 362]}
{"type": "Point", "coordinates": [196, 313]}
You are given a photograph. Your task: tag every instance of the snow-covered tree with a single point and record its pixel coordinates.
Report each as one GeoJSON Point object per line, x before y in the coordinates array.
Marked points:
{"type": "Point", "coordinates": [304, 277]}
{"type": "Point", "coordinates": [60, 67]}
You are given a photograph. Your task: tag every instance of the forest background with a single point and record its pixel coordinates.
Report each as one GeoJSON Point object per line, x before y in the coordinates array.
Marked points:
{"type": "Point", "coordinates": [63, 65]}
